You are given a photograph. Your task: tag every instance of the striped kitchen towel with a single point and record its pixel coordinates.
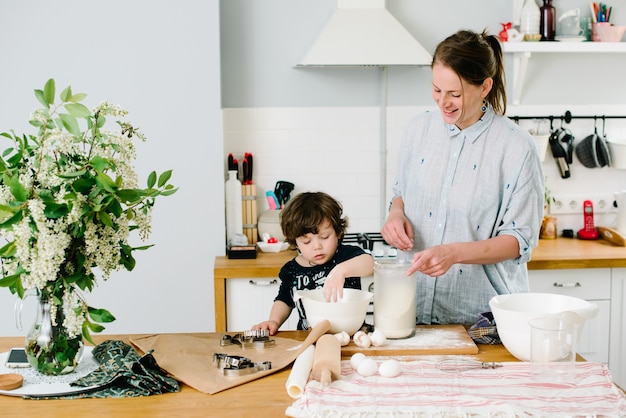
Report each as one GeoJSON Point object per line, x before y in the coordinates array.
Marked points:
{"type": "Point", "coordinates": [424, 390]}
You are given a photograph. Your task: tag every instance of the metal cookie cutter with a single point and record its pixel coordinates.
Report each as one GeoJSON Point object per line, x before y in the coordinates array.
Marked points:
{"type": "Point", "coordinates": [249, 339]}
{"type": "Point", "coordinates": [239, 365]}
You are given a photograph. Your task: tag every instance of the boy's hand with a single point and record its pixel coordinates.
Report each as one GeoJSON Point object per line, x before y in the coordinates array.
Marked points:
{"type": "Point", "coordinates": [333, 287]}
{"type": "Point", "coordinates": [271, 326]}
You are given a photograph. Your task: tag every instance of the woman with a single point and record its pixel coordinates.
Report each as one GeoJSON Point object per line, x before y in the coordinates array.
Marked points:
{"type": "Point", "coordinates": [468, 197]}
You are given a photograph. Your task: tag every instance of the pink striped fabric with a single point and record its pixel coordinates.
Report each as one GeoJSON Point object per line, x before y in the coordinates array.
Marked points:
{"type": "Point", "coordinates": [423, 390]}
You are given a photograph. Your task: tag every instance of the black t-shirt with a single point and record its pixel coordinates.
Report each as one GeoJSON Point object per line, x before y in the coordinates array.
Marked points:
{"type": "Point", "coordinates": [294, 277]}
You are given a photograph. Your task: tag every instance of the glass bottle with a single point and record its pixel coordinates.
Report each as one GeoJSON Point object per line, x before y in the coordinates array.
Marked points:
{"type": "Point", "coordinates": [548, 21]}
{"type": "Point", "coordinates": [234, 216]}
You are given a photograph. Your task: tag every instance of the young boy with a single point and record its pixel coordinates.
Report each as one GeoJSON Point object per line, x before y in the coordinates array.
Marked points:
{"type": "Point", "coordinates": [314, 223]}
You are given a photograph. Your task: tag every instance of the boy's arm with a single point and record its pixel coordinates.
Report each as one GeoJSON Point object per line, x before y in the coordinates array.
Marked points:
{"type": "Point", "coordinates": [278, 315]}
{"type": "Point", "coordinates": [359, 266]}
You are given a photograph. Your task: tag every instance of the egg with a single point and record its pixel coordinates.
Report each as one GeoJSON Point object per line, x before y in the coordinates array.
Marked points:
{"type": "Point", "coordinates": [389, 368]}
{"type": "Point", "coordinates": [356, 359]}
{"type": "Point", "coordinates": [343, 337]}
{"type": "Point", "coordinates": [367, 367]}
{"type": "Point", "coordinates": [361, 339]}
{"type": "Point", "coordinates": [377, 338]}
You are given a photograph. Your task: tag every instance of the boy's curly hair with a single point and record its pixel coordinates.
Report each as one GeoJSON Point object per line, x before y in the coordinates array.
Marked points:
{"type": "Point", "coordinates": [306, 212]}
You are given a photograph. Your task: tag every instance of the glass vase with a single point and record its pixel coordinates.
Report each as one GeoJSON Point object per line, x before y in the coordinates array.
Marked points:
{"type": "Point", "coordinates": [49, 347]}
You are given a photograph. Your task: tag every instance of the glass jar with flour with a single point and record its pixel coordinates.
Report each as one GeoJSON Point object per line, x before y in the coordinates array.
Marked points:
{"type": "Point", "coordinates": [394, 298]}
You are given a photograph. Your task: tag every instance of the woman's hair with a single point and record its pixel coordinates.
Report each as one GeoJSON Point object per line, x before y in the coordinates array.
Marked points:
{"type": "Point", "coordinates": [306, 212]}
{"type": "Point", "coordinates": [475, 57]}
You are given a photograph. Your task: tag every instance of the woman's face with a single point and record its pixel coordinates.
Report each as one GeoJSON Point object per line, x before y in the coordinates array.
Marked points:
{"type": "Point", "coordinates": [318, 248]}
{"type": "Point", "coordinates": [460, 103]}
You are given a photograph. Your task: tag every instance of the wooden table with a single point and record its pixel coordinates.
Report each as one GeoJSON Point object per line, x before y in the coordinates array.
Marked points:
{"type": "Point", "coordinates": [263, 397]}
{"type": "Point", "coordinates": [560, 253]}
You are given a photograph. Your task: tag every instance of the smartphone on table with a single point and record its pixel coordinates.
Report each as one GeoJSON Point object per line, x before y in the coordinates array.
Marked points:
{"type": "Point", "coordinates": [17, 358]}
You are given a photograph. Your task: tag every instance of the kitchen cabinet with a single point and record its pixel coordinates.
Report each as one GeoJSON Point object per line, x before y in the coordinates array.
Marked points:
{"type": "Point", "coordinates": [593, 285]}
{"type": "Point", "coordinates": [249, 302]}
{"type": "Point", "coordinates": [523, 51]}
{"type": "Point", "coordinates": [617, 359]}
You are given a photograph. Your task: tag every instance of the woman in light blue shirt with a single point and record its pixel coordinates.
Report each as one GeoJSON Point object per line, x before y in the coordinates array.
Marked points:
{"type": "Point", "coordinates": [468, 197]}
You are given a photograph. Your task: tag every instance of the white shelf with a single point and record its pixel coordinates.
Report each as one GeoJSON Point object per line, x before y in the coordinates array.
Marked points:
{"type": "Point", "coordinates": [522, 51]}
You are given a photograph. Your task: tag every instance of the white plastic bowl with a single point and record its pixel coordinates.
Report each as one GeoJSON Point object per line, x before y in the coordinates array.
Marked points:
{"type": "Point", "coordinates": [347, 314]}
{"type": "Point", "coordinates": [273, 247]}
{"type": "Point", "coordinates": [513, 312]}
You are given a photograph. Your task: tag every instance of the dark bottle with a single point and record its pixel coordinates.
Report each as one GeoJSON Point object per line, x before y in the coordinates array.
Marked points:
{"type": "Point", "coordinates": [547, 24]}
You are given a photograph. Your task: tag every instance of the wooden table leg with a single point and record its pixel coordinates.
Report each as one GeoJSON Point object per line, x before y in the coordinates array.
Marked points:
{"type": "Point", "coordinates": [219, 290]}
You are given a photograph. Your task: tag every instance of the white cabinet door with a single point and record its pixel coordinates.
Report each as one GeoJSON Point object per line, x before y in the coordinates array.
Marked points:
{"type": "Point", "coordinates": [593, 285]}
{"type": "Point", "coordinates": [617, 360]}
{"type": "Point", "coordinates": [249, 301]}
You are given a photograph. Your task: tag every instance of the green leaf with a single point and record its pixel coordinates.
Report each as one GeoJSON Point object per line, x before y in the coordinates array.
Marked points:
{"type": "Point", "coordinates": [72, 174]}
{"type": "Point", "coordinates": [99, 164]}
{"type": "Point", "coordinates": [78, 110]}
{"type": "Point", "coordinates": [9, 281]}
{"type": "Point", "coordinates": [129, 196]}
{"type": "Point", "coordinates": [86, 333]}
{"type": "Point", "coordinates": [6, 212]}
{"type": "Point", "coordinates": [55, 210]}
{"type": "Point", "coordinates": [78, 97]}
{"type": "Point", "coordinates": [70, 123]}
{"type": "Point", "coordinates": [40, 98]}
{"type": "Point", "coordinates": [169, 192]}
{"type": "Point", "coordinates": [126, 256]}
{"type": "Point", "coordinates": [49, 91]}
{"type": "Point", "coordinates": [18, 191]}
{"type": "Point", "coordinates": [152, 179]}
{"type": "Point", "coordinates": [19, 215]}
{"type": "Point", "coordinates": [100, 315]}
{"type": "Point", "coordinates": [66, 94]}
{"type": "Point", "coordinates": [105, 219]}
{"type": "Point", "coordinates": [164, 177]}
{"type": "Point", "coordinates": [8, 250]}
{"type": "Point", "coordinates": [105, 182]}
{"type": "Point", "coordinates": [95, 327]}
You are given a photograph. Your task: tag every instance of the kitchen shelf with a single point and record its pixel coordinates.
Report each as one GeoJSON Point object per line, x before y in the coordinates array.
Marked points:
{"type": "Point", "coordinates": [522, 52]}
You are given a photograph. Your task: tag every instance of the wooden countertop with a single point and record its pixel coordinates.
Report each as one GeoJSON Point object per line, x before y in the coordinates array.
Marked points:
{"type": "Point", "coordinates": [568, 253]}
{"type": "Point", "coordinates": [560, 253]}
{"type": "Point", "coordinates": [262, 397]}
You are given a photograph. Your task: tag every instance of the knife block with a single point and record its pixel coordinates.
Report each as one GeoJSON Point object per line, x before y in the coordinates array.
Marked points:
{"type": "Point", "coordinates": [249, 212]}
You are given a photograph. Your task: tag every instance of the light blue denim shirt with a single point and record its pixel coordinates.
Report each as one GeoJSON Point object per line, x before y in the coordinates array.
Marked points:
{"type": "Point", "coordinates": [463, 186]}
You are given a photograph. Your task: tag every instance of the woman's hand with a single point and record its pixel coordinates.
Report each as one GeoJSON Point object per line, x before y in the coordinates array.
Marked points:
{"type": "Point", "coordinates": [434, 261]}
{"type": "Point", "coordinates": [397, 230]}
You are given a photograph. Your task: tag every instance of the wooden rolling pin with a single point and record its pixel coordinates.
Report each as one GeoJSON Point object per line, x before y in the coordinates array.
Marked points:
{"type": "Point", "coordinates": [327, 359]}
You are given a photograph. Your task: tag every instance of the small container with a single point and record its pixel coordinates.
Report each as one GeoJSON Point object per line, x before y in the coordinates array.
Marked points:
{"type": "Point", "coordinates": [269, 223]}
{"type": "Point", "coordinates": [395, 299]}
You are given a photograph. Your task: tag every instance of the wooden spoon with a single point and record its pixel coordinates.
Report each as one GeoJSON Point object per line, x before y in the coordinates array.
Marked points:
{"type": "Point", "coordinates": [317, 331]}
{"type": "Point", "coordinates": [10, 381]}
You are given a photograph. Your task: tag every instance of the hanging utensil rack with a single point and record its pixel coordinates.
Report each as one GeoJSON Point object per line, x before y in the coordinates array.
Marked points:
{"type": "Point", "coordinates": [567, 117]}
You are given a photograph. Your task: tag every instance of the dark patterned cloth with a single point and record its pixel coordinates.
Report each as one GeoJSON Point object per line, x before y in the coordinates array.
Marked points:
{"type": "Point", "coordinates": [484, 331]}
{"type": "Point", "coordinates": [123, 373]}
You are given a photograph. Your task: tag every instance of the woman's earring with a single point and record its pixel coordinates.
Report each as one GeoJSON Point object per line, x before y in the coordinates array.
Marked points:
{"type": "Point", "coordinates": [484, 108]}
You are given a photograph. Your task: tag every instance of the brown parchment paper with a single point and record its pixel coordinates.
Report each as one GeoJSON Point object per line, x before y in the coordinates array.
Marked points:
{"type": "Point", "coordinates": [190, 358]}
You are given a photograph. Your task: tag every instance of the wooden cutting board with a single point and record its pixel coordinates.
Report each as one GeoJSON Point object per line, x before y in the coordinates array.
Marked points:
{"type": "Point", "coordinates": [430, 339]}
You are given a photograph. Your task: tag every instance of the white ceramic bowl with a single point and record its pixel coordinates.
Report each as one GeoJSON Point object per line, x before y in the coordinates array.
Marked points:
{"type": "Point", "coordinates": [347, 314]}
{"type": "Point", "coordinates": [513, 312]}
{"type": "Point", "coordinates": [274, 247]}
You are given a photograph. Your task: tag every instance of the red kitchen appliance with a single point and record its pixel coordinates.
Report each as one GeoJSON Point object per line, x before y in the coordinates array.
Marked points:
{"type": "Point", "coordinates": [588, 231]}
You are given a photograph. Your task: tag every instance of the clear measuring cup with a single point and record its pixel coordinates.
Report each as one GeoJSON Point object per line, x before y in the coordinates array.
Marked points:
{"type": "Point", "coordinates": [395, 300]}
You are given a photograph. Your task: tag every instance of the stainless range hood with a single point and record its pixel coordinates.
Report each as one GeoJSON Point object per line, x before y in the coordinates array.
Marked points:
{"type": "Point", "coordinates": [364, 33]}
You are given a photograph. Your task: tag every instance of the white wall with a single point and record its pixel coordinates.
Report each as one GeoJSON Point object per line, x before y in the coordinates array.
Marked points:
{"type": "Point", "coordinates": [160, 60]}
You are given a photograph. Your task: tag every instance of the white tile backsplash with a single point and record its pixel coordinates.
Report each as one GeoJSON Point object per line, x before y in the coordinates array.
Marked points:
{"type": "Point", "coordinates": [338, 150]}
